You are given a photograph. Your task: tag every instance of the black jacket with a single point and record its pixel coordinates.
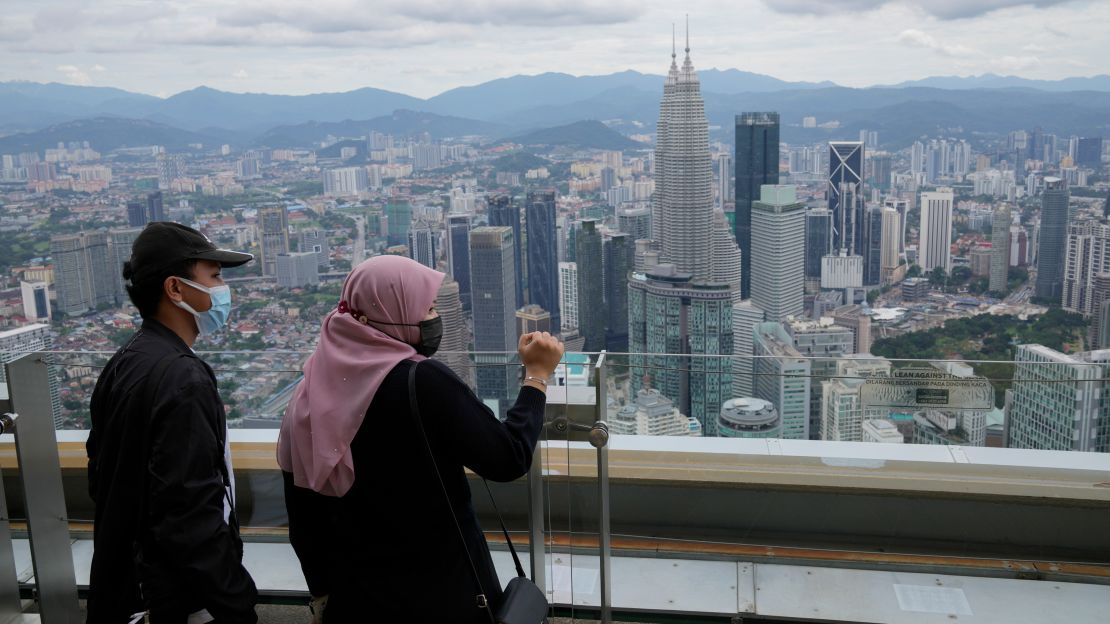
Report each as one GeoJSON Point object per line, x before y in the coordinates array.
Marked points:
{"type": "Point", "coordinates": [157, 476]}
{"type": "Point", "coordinates": [388, 550]}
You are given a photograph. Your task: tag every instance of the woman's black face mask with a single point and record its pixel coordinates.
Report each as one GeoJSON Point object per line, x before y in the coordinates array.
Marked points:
{"type": "Point", "coordinates": [431, 332]}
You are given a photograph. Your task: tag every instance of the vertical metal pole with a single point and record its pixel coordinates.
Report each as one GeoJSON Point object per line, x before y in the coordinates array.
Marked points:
{"type": "Point", "coordinates": [10, 607]}
{"type": "Point", "coordinates": [40, 471]}
{"type": "Point", "coordinates": [606, 575]}
{"type": "Point", "coordinates": [535, 520]}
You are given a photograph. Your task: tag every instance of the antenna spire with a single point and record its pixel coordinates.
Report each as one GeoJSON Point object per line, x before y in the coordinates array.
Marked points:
{"type": "Point", "coordinates": [673, 55]}
{"type": "Point", "coordinates": [687, 33]}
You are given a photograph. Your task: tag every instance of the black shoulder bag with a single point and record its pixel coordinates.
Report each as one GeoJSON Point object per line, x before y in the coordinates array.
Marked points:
{"type": "Point", "coordinates": [522, 602]}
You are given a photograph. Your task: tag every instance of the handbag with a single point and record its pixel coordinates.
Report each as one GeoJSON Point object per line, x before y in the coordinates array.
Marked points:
{"type": "Point", "coordinates": [521, 602]}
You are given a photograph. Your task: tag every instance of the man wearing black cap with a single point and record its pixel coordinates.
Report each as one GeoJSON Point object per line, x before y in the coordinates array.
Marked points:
{"type": "Point", "coordinates": [166, 536]}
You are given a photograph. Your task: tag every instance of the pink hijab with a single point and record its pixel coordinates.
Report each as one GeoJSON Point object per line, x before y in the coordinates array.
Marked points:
{"type": "Point", "coordinates": [350, 362]}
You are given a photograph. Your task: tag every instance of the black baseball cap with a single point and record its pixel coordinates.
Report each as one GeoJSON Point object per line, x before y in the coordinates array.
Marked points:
{"type": "Point", "coordinates": [164, 243]}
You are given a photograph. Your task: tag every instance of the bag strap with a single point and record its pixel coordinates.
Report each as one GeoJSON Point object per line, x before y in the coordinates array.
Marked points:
{"type": "Point", "coordinates": [414, 408]}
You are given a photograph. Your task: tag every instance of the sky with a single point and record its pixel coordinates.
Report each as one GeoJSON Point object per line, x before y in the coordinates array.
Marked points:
{"type": "Point", "coordinates": [425, 47]}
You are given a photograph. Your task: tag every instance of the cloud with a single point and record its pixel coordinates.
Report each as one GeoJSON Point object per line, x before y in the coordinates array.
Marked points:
{"type": "Point", "coordinates": [240, 74]}
{"type": "Point", "coordinates": [74, 74]}
{"type": "Point", "coordinates": [1014, 63]}
{"type": "Point", "coordinates": [915, 38]}
{"type": "Point", "coordinates": [943, 9]}
{"type": "Point", "coordinates": [99, 68]}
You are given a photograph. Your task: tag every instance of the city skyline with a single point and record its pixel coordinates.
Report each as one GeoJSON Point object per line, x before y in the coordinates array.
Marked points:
{"type": "Point", "coordinates": [423, 49]}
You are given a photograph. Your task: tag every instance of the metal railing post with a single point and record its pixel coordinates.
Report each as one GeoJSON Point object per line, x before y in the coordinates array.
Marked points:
{"type": "Point", "coordinates": [600, 439]}
{"type": "Point", "coordinates": [535, 520]}
{"type": "Point", "coordinates": [40, 471]}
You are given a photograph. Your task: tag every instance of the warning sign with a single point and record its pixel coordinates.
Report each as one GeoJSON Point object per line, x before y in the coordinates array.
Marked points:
{"type": "Point", "coordinates": [927, 388]}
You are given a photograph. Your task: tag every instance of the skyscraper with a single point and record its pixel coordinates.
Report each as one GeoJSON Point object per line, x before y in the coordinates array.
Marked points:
{"type": "Point", "coordinates": [455, 343]}
{"type": "Point", "coordinates": [727, 260]}
{"type": "Point", "coordinates": [724, 178]}
{"type": "Point", "coordinates": [15, 343]}
{"type": "Point", "coordinates": [273, 229]}
{"type": "Point", "coordinates": [568, 296]}
{"type": "Point", "coordinates": [934, 246]}
{"type": "Point", "coordinates": [683, 209]}
{"type": "Point", "coordinates": [891, 239]}
{"type": "Point", "coordinates": [398, 214]}
{"type": "Point", "coordinates": [782, 377]}
{"type": "Point", "coordinates": [677, 320]}
{"type": "Point", "coordinates": [745, 317]}
{"type": "Point", "coordinates": [902, 207]}
{"type": "Point", "coordinates": [1000, 248]}
{"type": "Point", "coordinates": [297, 269]}
{"type": "Point", "coordinates": [493, 275]}
{"type": "Point", "coordinates": [872, 245]}
{"type": "Point", "coordinates": [543, 261]}
{"type": "Point", "coordinates": [1052, 240]}
{"type": "Point", "coordinates": [503, 211]}
{"type": "Point", "coordinates": [1088, 152]}
{"type": "Point", "coordinates": [618, 264]}
{"type": "Point", "coordinates": [1060, 403]}
{"type": "Point", "coordinates": [778, 253]}
{"type": "Point", "coordinates": [636, 222]}
{"type": "Point", "coordinates": [1088, 256]}
{"type": "Point", "coordinates": [36, 301]}
{"type": "Point", "coordinates": [137, 214]}
{"type": "Point", "coordinates": [823, 341]}
{"type": "Point", "coordinates": [458, 254]}
{"type": "Point", "coordinates": [757, 164]}
{"type": "Point", "coordinates": [422, 244]}
{"type": "Point", "coordinates": [316, 241]}
{"type": "Point", "coordinates": [818, 240]}
{"type": "Point", "coordinates": [82, 275]}
{"type": "Point", "coordinates": [154, 209]}
{"type": "Point", "coordinates": [591, 304]}
{"type": "Point", "coordinates": [845, 191]}
{"type": "Point", "coordinates": [119, 251]}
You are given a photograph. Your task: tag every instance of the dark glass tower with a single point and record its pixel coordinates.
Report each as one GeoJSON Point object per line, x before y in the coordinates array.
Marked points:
{"type": "Point", "coordinates": [154, 211]}
{"type": "Point", "coordinates": [137, 215]}
{"type": "Point", "coordinates": [845, 193]}
{"type": "Point", "coordinates": [458, 254]}
{"type": "Point", "coordinates": [872, 245]}
{"type": "Point", "coordinates": [543, 259]}
{"type": "Point", "coordinates": [619, 250]}
{"type": "Point", "coordinates": [591, 304]}
{"type": "Point", "coordinates": [757, 163]}
{"type": "Point", "coordinates": [818, 240]}
{"type": "Point", "coordinates": [504, 212]}
{"type": "Point", "coordinates": [1052, 242]}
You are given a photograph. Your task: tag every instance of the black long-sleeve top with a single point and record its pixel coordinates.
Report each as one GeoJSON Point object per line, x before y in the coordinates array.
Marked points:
{"type": "Point", "coordinates": [159, 482]}
{"type": "Point", "coordinates": [389, 549]}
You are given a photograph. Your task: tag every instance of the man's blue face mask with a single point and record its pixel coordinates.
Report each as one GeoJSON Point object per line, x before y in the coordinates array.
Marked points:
{"type": "Point", "coordinates": [213, 319]}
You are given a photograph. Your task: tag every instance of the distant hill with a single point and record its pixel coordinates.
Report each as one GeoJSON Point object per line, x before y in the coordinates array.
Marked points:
{"type": "Point", "coordinates": [28, 106]}
{"type": "Point", "coordinates": [580, 134]}
{"type": "Point", "coordinates": [520, 162]}
{"type": "Point", "coordinates": [104, 134]}
{"type": "Point", "coordinates": [994, 81]}
{"type": "Point", "coordinates": [399, 123]}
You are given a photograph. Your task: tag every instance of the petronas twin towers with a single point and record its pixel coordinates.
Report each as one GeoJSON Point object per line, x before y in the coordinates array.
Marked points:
{"type": "Point", "coordinates": [682, 212]}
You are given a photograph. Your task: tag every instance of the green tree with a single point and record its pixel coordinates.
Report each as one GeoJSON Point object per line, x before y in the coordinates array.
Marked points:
{"type": "Point", "coordinates": [913, 271]}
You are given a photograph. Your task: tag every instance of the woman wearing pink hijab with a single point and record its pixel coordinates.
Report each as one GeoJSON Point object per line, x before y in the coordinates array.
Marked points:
{"type": "Point", "coordinates": [367, 515]}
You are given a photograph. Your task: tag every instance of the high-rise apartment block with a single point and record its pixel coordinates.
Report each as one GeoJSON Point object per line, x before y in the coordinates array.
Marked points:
{"type": "Point", "coordinates": [82, 272]}
{"type": "Point", "coordinates": [297, 269]}
{"type": "Point", "coordinates": [15, 343]}
{"type": "Point", "coordinates": [1087, 257]}
{"type": "Point", "coordinates": [934, 248]}
{"type": "Point", "coordinates": [273, 230]}
{"type": "Point", "coordinates": [1059, 401]}
{"type": "Point", "coordinates": [568, 296]}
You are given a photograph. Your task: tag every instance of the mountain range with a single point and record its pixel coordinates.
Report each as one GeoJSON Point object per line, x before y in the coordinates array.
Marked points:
{"type": "Point", "coordinates": [514, 106]}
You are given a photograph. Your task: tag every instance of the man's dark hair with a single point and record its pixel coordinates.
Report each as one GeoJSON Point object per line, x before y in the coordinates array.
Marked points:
{"type": "Point", "coordinates": [147, 294]}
